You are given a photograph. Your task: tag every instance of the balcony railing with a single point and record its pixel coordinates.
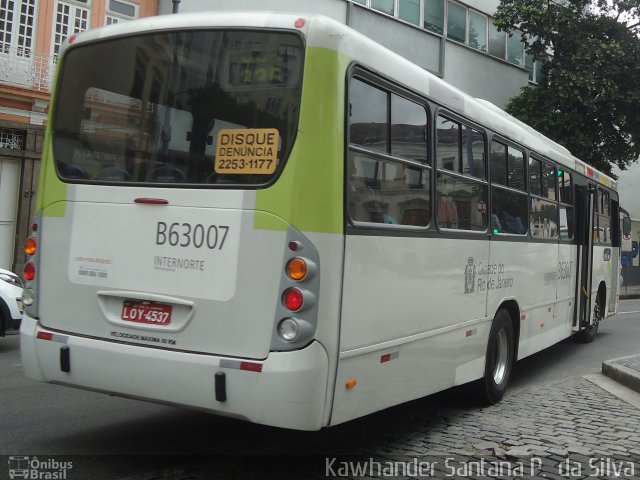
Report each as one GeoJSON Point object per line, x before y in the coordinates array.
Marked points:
{"type": "Point", "coordinates": [26, 69]}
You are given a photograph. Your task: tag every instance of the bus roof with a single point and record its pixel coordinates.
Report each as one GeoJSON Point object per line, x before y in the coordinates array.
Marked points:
{"type": "Point", "coordinates": [322, 31]}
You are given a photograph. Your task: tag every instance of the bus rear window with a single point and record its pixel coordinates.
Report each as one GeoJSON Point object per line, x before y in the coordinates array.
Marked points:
{"type": "Point", "coordinates": [191, 107]}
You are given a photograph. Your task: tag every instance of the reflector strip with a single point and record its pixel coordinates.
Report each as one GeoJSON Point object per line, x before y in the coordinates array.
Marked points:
{"type": "Point", "coordinates": [387, 357]}
{"type": "Point", "coordinates": [523, 317]}
{"type": "Point", "coordinates": [471, 333]}
{"type": "Point", "coordinates": [251, 367]}
{"type": "Point", "coordinates": [45, 336]}
{"type": "Point", "coordinates": [238, 365]}
{"type": "Point", "coordinates": [41, 335]}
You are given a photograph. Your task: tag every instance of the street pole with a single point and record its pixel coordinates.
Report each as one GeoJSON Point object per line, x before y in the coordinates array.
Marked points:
{"type": "Point", "coordinates": [176, 5]}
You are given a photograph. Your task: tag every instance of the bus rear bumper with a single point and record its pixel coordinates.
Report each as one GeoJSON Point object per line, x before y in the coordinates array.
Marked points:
{"type": "Point", "coordinates": [287, 389]}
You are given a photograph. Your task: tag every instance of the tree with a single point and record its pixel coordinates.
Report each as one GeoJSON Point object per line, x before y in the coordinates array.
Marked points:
{"type": "Point", "coordinates": [589, 100]}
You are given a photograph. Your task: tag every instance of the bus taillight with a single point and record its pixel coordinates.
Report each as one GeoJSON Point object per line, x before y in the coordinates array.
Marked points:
{"type": "Point", "coordinates": [30, 246]}
{"type": "Point", "coordinates": [293, 299]}
{"type": "Point", "coordinates": [299, 269]}
{"type": "Point", "coordinates": [29, 272]}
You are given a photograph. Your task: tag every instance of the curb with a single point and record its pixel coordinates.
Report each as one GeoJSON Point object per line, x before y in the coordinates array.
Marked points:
{"type": "Point", "coordinates": [628, 377]}
{"type": "Point", "coordinates": [630, 296]}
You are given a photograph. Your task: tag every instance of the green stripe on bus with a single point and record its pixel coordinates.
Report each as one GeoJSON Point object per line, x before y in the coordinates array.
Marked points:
{"type": "Point", "coordinates": [309, 193]}
{"type": "Point", "coordinates": [52, 193]}
{"type": "Point", "coordinates": [52, 200]}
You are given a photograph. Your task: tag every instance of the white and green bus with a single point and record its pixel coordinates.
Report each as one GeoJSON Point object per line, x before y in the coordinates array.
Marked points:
{"type": "Point", "coordinates": [272, 217]}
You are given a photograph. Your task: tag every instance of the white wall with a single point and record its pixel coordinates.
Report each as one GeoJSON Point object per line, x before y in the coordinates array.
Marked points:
{"type": "Point", "coordinates": [9, 182]}
{"type": "Point", "coordinates": [482, 76]}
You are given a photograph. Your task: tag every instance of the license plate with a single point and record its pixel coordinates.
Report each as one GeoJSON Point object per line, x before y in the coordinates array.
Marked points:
{"type": "Point", "coordinates": [146, 312]}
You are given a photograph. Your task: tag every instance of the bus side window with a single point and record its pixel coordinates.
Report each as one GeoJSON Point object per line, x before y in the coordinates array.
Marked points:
{"type": "Point", "coordinates": [382, 190]}
{"type": "Point", "coordinates": [508, 190]}
{"type": "Point", "coordinates": [566, 205]}
{"type": "Point", "coordinates": [387, 192]}
{"type": "Point", "coordinates": [461, 187]}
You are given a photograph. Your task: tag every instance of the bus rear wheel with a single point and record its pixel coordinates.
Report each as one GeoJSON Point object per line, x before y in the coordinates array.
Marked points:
{"type": "Point", "coordinates": [499, 359]}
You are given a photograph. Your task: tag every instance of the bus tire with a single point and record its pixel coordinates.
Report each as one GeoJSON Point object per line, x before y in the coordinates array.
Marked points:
{"type": "Point", "coordinates": [588, 335]}
{"type": "Point", "coordinates": [499, 359]}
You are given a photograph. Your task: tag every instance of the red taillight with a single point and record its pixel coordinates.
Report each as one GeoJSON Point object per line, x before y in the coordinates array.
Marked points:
{"type": "Point", "coordinates": [29, 272]}
{"type": "Point", "coordinates": [294, 246]}
{"type": "Point", "coordinates": [293, 299]}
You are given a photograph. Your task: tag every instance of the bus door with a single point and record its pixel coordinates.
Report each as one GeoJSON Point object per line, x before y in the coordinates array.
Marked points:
{"type": "Point", "coordinates": [585, 203]}
{"type": "Point", "coordinates": [616, 242]}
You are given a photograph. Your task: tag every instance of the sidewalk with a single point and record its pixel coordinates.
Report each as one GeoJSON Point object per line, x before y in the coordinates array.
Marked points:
{"type": "Point", "coordinates": [625, 370]}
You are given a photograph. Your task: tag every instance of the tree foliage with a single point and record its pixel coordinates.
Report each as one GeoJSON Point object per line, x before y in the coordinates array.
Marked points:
{"type": "Point", "coordinates": [589, 100]}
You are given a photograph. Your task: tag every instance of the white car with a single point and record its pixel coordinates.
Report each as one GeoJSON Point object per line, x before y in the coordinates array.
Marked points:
{"type": "Point", "coordinates": [10, 301]}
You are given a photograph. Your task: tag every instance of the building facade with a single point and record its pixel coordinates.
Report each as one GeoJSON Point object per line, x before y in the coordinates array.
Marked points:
{"type": "Point", "coordinates": [31, 34]}
{"type": "Point", "coordinates": [453, 39]}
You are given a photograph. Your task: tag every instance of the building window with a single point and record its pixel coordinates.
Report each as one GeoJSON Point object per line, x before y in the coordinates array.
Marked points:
{"type": "Point", "coordinates": [118, 11]}
{"type": "Point", "coordinates": [456, 22]}
{"type": "Point", "coordinates": [477, 31]}
{"type": "Point", "coordinates": [122, 8]}
{"type": "Point", "coordinates": [386, 6]}
{"type": "Point", "coordinates": [12, 139]}
{"type": "Point", "coordinates": [409, 11]}
{"type": "Point", "coordinates": [497, 42]}
{"type": "Point", "coordinates": [434, 16]}
{"type": "Point", "coordinates": [463, 25]}
{"type": "Point", "coordinates": [16, 26]}
{"type": "Point", "coordinates": [515, 49]}
{"type": "Point", "coordinates": [534, 67]}
{"type": "Point", "coordinates": [70, 19]}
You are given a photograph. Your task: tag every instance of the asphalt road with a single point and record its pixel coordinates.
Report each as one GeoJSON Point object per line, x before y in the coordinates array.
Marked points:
{"type": "Point", "coordinates": [41, 419]}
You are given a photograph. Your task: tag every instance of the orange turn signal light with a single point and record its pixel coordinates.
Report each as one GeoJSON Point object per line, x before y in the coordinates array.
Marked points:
{"type": "Point", "coordinates": [297, 269]}
{"type": "Point", "coordinates": [351, 383]}
{"type": "Point", "coordinates": [30, 246]}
